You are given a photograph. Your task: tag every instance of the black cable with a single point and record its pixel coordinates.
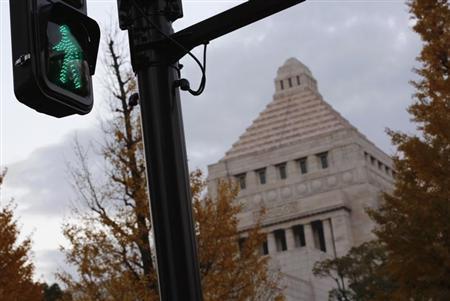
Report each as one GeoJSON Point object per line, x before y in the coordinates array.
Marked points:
{"type": "Point", "coordinates": [203, 81]}
{"type": "Point", "coordinates": [203, 68]}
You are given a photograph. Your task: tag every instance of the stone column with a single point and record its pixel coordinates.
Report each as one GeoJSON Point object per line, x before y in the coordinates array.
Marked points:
{"type": "Point", "coordinates": [271, 174]}
{"type": "Point", "coordinates": [309, 236]}
{"type": "Point", "coordinates": [327, 231]}
{"type": "Point", "coordinates": [251, 179]}
{"type": "Point", "coordinates": [292, 169]}
{"type": "Point", "coordinates": [271, 243]}
{"type": "Point", "coordinates": [212, 188]}
{"type": "Point", "coordinates": [313, 163]}
{"type": "Point", "coordinates": [290, 242]}
{"type": "Point", "coordinates": [343, 235]}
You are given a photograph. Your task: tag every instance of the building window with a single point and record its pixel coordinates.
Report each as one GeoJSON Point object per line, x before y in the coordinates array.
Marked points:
{"type": "Point", "coordinates": [387, 170]}
{"type": "Point", "coordinates": [323, 158]}
{"type": "Point", "coordinates": [241, 180]}
{"type": "Point", "coordinates": [281, 85]}
{"type": "Point", "coordinates": [380, 165]}
{"type": "Point", "coordinates": [264, 249]}
{"type": "Point", "coordinates": [241, 243]}
{"type": "Point", "coordinates": [280, 240]}
{"type": "Point", "coordinates": [282, 171]}
{"type": "Point", "coordinates": [299, 236]}
{"type": "Point", "coordinates": [366, 156]}
{"type": "Point", "coordinates": [318, 235]}
{"type": "Point", "coordinates": [261, 175]}
{"type": "Point", "coordinates": [298, 80]}
{"type": "Point", "coordinates": [290, 82]}
{"type": "Point", "coordinates": [372, 160]}
{"type": "Point", "coordinates": [303, 164]}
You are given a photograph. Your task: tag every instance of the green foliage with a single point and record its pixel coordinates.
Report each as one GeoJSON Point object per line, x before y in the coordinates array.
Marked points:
{"type": "Point", "coordinates": [54, 293]}
{"type": "Point", "coordinates": [358, 275]}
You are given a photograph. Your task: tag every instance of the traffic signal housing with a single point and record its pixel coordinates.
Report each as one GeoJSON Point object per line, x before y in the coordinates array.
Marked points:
{"type": "Point", "coordinates": [54, 50]}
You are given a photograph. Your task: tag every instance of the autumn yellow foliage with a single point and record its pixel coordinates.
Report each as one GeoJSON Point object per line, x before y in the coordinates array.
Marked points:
{"type": "Point", "coordinates": [414, 221]}
{"type": "Point", "coordinates": [16, 268]}
{"type": "Point", "coordinates": [230, 271]}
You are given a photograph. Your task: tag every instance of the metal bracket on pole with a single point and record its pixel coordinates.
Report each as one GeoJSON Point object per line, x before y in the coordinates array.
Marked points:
{"type": "Point", "coordinates": [219, 25]}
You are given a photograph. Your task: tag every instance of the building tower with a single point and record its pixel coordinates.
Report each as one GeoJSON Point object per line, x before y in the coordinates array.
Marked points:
{"type": "Point", "coordinates": [313, 172]}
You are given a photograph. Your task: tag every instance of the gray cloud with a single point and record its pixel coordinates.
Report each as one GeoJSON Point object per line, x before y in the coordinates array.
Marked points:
{"type": "Point", "coordinates": [361, 55]}
{"type": "Point", "coordinates": [42, 181]}
{"type": "Point", "coordinates": [48, 263]}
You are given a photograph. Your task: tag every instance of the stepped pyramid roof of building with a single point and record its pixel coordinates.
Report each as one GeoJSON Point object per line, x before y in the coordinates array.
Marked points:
{"type": "Point", "coordinates": [296, 112]}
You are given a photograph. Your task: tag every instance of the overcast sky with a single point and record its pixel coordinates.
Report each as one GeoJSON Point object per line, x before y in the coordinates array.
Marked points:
{"type": "Point", "coordinates": [360, 52]}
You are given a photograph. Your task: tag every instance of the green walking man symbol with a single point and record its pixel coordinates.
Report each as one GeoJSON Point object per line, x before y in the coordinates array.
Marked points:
{"type": "Point", "coordinates": [70, 72]}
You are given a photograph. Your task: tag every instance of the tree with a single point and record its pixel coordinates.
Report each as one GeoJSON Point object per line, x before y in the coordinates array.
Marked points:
{"type": "Point", "coordinates": [359, 275]}
{"type": "Point", "coordinates": [413, 223]}
{"type": "Point", "coordinates": [109, 242]}
{"type": "Point", "coordinates": [231, 266]}
{"type": "Point", "coordinates": [16, 268]}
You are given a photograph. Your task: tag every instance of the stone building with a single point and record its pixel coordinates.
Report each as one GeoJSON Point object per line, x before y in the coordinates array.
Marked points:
{"type": "Point", "coordinates": [313, 172]}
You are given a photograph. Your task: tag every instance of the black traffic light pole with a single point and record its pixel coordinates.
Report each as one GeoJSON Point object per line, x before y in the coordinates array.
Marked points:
{"type": "Point", "coordinates": [155, 50]}
{"type": "Point", "coordinates": [165, 151]}
{"type": "Point", "coordinates": [167, 170]}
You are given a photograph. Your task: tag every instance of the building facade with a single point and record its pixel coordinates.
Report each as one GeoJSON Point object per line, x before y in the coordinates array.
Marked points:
{"type": "Point", "coordinates": [313, 172]}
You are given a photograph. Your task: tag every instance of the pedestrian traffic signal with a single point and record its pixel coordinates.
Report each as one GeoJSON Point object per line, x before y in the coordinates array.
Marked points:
{"type": "Point", "coordinates": [54, 48]}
